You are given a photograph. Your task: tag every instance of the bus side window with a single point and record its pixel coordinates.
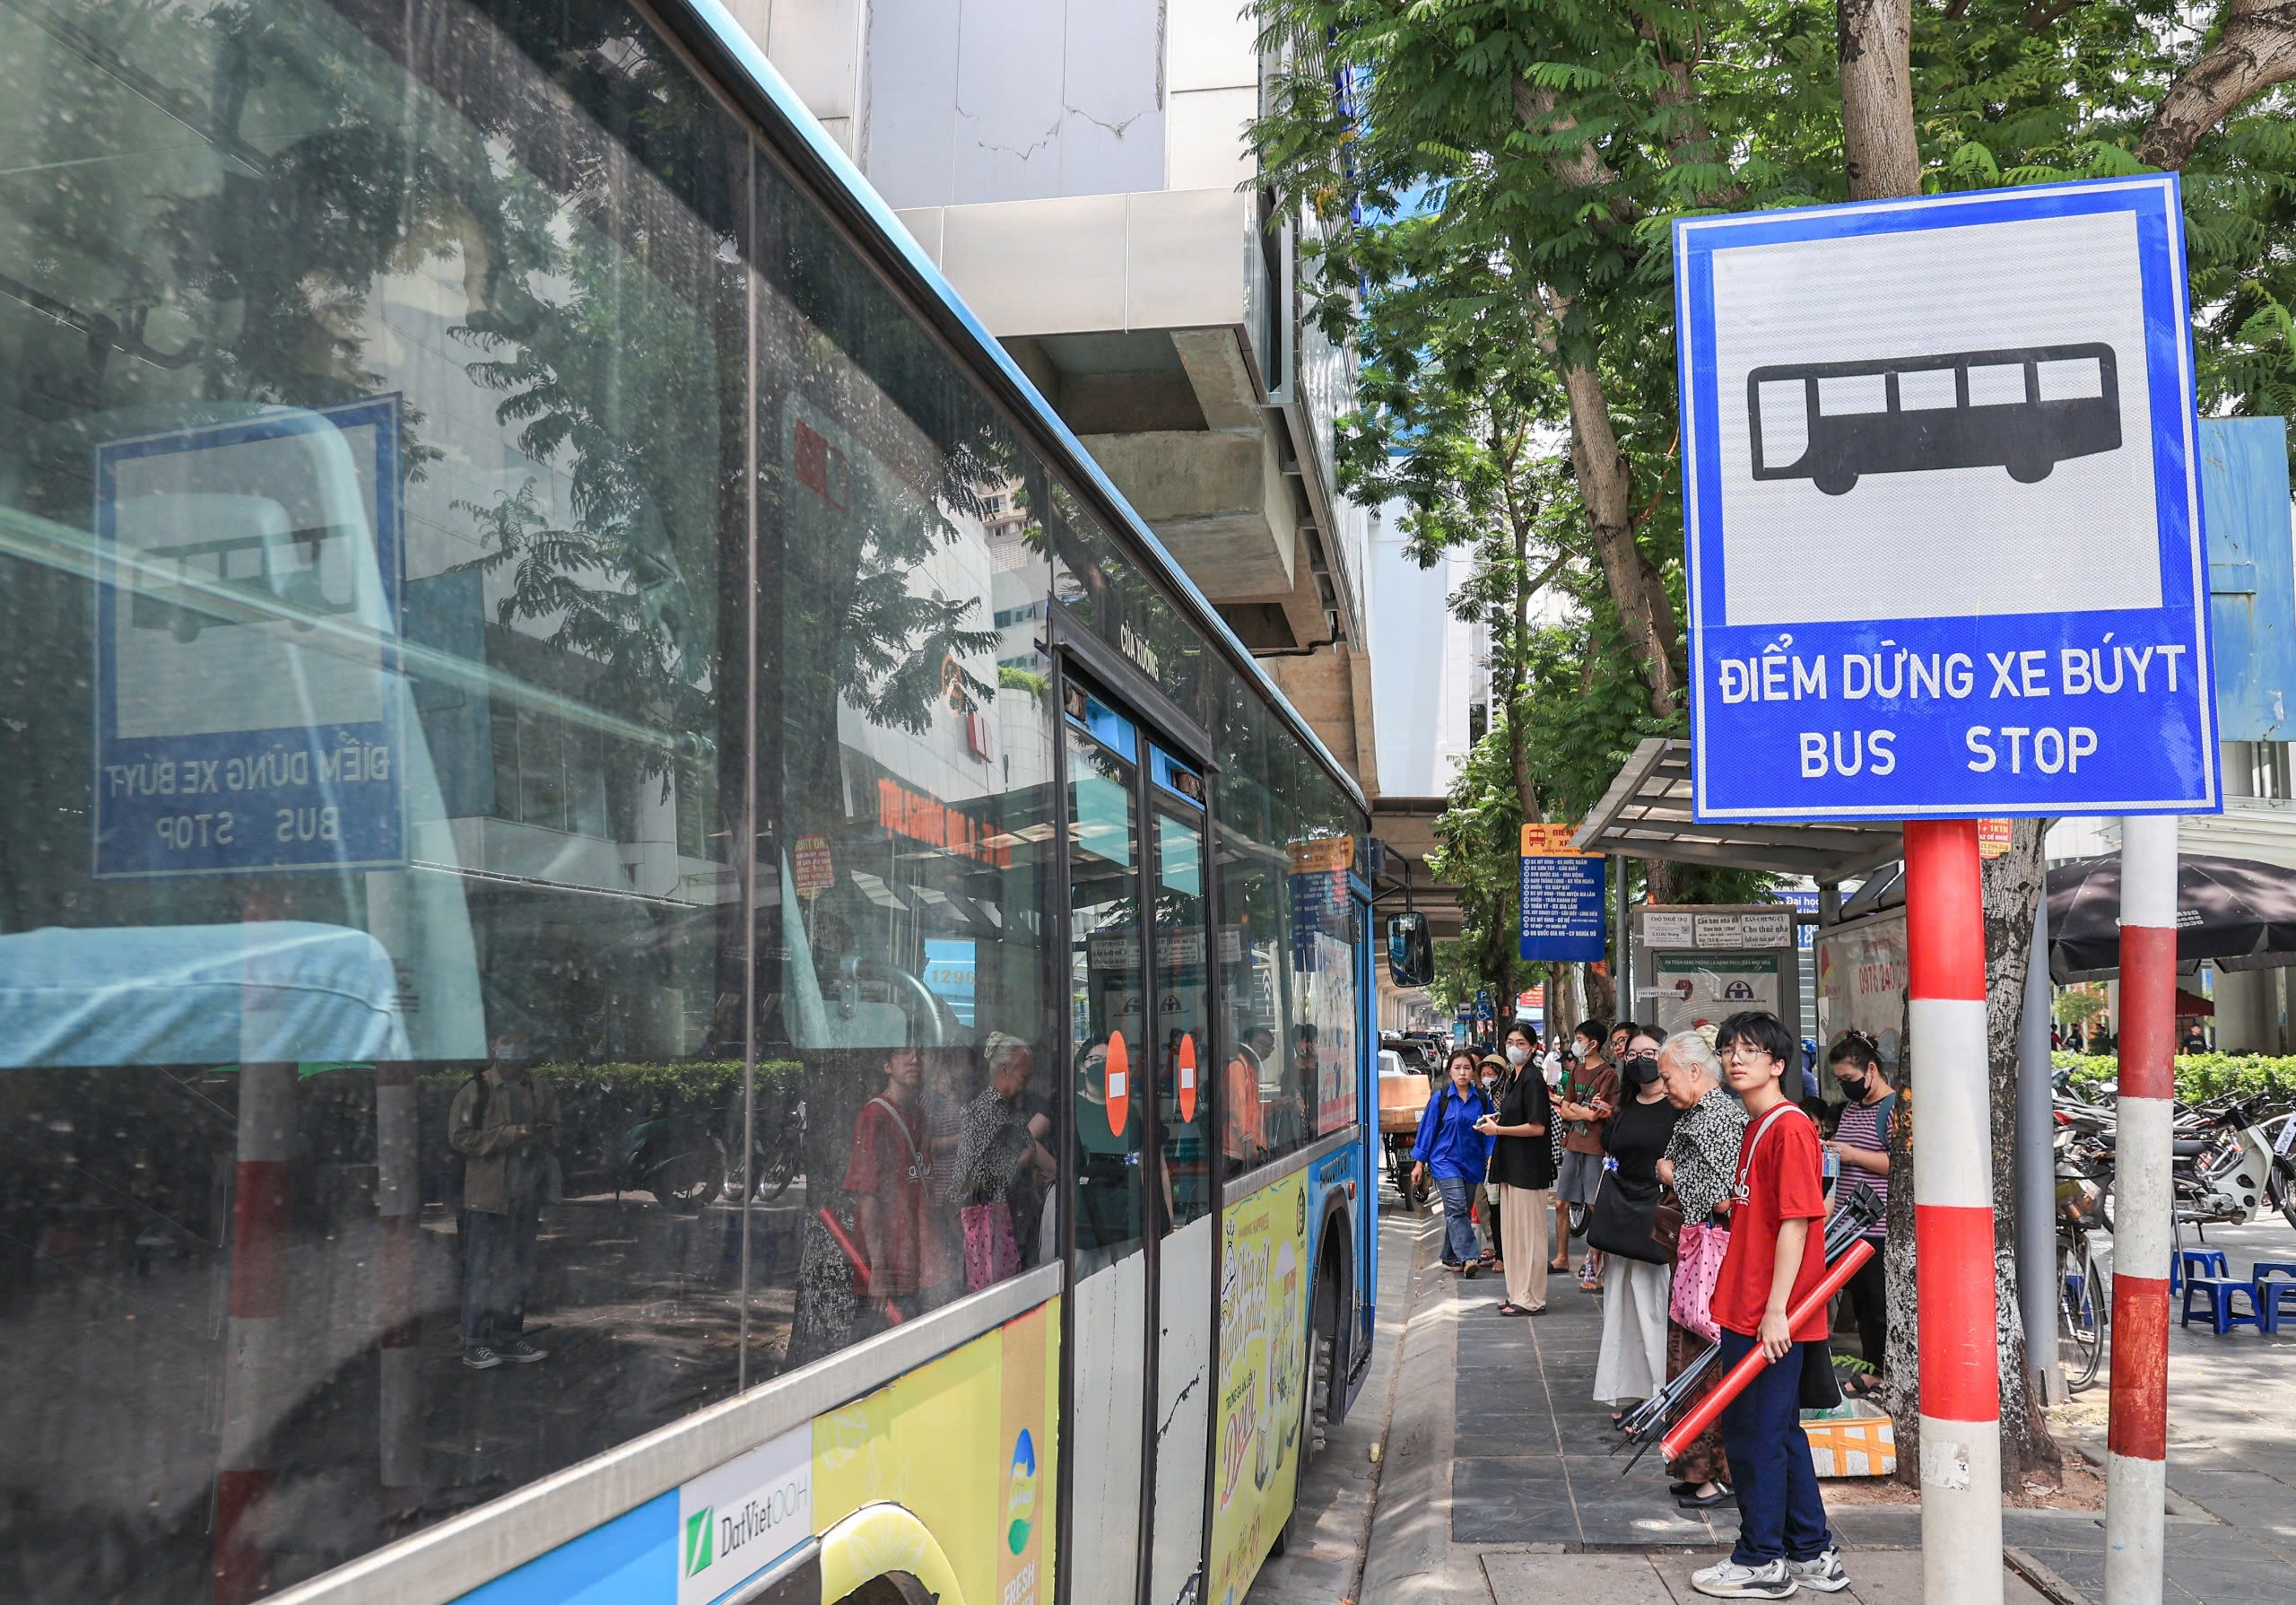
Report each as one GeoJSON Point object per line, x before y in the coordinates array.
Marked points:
{"type": "Point", "coordinates": [1997, 384]}
{"type": "Point", "coordinates": [2076, 379]}
{"type": "Point", "coordinates": [1927, 390]}
{"type": "Point", "coordinates": [1853, 393]}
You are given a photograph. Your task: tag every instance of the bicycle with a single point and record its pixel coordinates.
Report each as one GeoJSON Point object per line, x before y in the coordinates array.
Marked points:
{"type": "Point", "coordinates": [2084, 1304]}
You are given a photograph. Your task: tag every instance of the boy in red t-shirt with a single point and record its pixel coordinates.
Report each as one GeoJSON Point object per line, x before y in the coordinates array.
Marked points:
{"type": "Point", "coordinates": [1772, 1265]}
{"type": "Point", "coordinates": [890, 1176]}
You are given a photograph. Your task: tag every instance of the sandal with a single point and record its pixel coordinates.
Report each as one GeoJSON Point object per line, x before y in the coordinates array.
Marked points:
{"type": "Point", "coordinates": [1512, 1309]}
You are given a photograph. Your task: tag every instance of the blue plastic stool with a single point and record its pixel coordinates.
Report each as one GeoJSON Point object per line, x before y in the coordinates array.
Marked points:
{"type": "Point", "coordinates": [2204, 1263]}
{"type": "Point", "coordinates": [2217, 1293]}
{"type": "Point", "coordinates": [2275, 1281]}
{"type": "Point", "coordinates": [2274, 1298]}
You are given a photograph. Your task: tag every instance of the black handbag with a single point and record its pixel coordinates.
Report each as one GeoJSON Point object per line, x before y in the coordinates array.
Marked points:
{"type": "Point", "coordinates": [1627, 1227]}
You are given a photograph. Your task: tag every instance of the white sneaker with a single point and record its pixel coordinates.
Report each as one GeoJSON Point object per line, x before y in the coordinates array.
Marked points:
{"type": "Point", "coordinates": [1731, 1581]}
{"type": "Point", "coordinates": [1824, 1574]}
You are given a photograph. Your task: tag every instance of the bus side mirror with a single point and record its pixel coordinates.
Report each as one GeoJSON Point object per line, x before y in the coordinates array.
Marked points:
{"type": "Point", "coordinates": [1411, 951]}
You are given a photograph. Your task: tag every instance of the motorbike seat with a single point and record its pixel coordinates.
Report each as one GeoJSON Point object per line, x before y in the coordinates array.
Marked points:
{"type": "Point", "coordinates": [2193, 1149]}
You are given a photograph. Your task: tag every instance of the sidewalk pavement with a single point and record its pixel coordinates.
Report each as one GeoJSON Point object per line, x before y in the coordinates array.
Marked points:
{"type": "Point", "coordinates": [1495, 1485]}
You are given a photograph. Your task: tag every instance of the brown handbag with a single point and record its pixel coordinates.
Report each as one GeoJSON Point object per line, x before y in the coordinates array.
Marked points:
{"type": "Point", "coordinates": [1666, 1222]}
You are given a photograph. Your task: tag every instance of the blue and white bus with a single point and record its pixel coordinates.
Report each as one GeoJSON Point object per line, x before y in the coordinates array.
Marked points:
{"type": "Point", "coordinates": [726, 985]}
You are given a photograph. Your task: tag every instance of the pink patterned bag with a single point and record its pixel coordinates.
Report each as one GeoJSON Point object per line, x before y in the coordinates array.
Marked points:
{"type": "Point", "coordinates": [992, 1253]}
{"type": "Point", "coordinates": [1698, 1265]}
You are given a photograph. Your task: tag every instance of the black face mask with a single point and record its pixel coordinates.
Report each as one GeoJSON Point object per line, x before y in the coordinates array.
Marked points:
{"type": "Point", "coordinates": [1854, 1087]}
{"type": "Point", "coordinates": [1641, 1070]}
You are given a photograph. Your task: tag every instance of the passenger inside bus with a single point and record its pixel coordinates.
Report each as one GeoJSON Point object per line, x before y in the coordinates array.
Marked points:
{"type": "Point", "coordinates": [891, 1178]}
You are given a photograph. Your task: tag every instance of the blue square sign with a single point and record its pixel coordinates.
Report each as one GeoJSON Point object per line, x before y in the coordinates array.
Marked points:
{"type": "Point", "coordinates": [1943, 508]}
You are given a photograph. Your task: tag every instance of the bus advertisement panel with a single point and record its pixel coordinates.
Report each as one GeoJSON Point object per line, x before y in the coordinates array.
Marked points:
{"type": "Point", "coordinates": [945, 1476]}
{"type": "Point", "coordinates": [1263, 1349]}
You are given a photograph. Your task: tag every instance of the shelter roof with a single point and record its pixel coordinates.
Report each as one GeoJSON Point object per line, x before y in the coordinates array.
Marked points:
{"type": "Point", "coordinates": [1646, 814]}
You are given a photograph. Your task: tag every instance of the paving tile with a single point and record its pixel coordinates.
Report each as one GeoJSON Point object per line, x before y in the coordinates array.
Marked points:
{"type": "Point", "coordinates": [1545, 1579]}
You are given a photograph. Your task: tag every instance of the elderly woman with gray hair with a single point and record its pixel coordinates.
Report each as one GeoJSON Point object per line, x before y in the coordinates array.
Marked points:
{"type": "Point", "coordinates": [1701, 1167]}
{"type": "Point", "coordinates": [1002, 1167]}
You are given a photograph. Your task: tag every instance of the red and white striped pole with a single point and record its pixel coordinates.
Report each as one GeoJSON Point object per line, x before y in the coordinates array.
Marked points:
{"type": "Point", "coordinates": [1953, 1216]}
{"type": "Point", "coordinates": [2136, 1434]}
{"type": "Point", "coordinates": [255, 1345]}
{"type": "Point", "coordinates": [398, 1201]}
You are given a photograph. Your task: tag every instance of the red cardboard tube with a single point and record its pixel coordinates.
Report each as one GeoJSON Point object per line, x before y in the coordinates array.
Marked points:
{"type": "Point", "coordinates": [1702, 1415]}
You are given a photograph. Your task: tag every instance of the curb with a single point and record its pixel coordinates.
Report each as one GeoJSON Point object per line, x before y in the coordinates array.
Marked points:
{"type": "Point", "coordinates": [2045, 1579]}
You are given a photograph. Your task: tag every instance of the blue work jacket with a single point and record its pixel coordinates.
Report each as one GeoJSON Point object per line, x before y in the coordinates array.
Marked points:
{"type": "Point", "coordinates": [1448, 1142]}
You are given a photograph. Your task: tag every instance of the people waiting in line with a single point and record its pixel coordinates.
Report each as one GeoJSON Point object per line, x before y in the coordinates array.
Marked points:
{"type": "Point", "coordinates": [1588, 1092]}
{"type": "Point", "coordinates": [1522, 1172]}
{"type": "Point", "coordinates": [1632, 1365]}
{"type": "Point", "coordinates": [1700, 1160]}
{"type": "Point", "coordinates": [1861, 1145]}
{"type": "Point", "coordinates": [1771, 1265]}
{"type": "Point", "coordinates": [1453, 1149]}
{"type": "Point", "coordinates": [504, 1122]}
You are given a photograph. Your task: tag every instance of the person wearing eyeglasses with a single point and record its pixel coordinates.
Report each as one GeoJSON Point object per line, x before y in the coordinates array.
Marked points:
{"type": "Point", "coordinates": [1772, 1265]}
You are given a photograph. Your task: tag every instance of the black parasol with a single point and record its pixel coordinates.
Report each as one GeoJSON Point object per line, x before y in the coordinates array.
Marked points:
{"type": "Point", "coordinates": [2235, 911]}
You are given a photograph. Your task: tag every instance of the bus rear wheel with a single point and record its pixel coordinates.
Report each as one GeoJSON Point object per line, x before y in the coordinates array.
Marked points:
{"type": "Point", "coordinates": [2029, 467]}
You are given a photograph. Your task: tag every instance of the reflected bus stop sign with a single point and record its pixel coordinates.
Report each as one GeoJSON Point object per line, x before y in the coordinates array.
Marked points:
{"type": "Point", "coordinates": [1943, 508]}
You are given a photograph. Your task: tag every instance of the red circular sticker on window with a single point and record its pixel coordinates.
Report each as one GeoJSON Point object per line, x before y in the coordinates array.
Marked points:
{"type": "Point", "coordinates": [1187, 1077]}
{"type": "Point", "coordinates": [1117, 1086]}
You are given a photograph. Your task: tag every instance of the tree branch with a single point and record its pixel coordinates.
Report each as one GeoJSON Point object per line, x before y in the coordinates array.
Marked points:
{"type": "Point", "coordinates": [2255, 49]}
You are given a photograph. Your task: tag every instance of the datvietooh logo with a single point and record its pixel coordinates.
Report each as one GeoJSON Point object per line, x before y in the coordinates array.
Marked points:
{"type": "Point", "coordinates": [700, 1547]}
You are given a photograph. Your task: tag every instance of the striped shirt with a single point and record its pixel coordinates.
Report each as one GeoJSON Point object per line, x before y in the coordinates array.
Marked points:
{"type": "Point", "coordinates": [1860, 1127]}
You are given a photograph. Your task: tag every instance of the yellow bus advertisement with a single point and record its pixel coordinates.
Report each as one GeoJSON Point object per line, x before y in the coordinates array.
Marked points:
{"type": "Point", "coordinates": [1263, 1356]}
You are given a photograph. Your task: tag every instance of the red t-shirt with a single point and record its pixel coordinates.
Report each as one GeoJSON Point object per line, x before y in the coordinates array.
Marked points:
{"type": "Point", "coordinates": [892, 1162]}
{"type": "Point", "coordinates": [1785, 1180]}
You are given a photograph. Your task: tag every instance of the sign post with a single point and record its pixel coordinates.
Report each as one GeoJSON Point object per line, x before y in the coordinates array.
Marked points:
{"type": "Point", "coordinates": [1900, 418]}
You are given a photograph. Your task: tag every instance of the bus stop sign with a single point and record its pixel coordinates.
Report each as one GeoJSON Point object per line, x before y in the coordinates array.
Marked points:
{"type": "Point", "coordinates": [1943, 508]}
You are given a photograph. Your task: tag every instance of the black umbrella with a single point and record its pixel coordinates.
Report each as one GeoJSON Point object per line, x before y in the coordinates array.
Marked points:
{"type": "Point", "coordinates": [2236, 911]}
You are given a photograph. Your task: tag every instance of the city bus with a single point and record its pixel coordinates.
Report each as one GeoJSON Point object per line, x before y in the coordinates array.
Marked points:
{"type": "Point", "coordinates": [726, 985]}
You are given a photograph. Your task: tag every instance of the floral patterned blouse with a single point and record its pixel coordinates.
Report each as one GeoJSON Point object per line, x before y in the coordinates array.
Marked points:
{"type": "Point", "coordinates": [1704, 1150]}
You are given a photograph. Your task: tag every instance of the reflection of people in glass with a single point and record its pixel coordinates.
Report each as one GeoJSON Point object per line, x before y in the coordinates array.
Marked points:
{"type": "Point", "coordinates": [503, 1122]}
{"type": "Point", "coordinates": [1246, 1138]}
{"type": "Point", "coordinates": [891, 1178]}
{"type": "Point", "coordinates": [1001, 1165]}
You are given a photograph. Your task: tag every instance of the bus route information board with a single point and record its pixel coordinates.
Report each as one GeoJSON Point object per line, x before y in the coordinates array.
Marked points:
{"type": "Point", "coordinates": [1943, 508]}
{"type": "Point", "coordinates": [1562, 897]}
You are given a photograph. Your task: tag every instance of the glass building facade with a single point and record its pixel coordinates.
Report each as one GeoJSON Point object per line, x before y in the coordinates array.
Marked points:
{"type": "Point", "coordinates": [532, 790]}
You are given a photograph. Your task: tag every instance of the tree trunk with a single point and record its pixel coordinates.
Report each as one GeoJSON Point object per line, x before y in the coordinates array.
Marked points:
{"type": "Point", "coordinates": [1605, 488]}
{"type": "Point", "coordinates": [2012, 889]}
{"type": "Point", "coordinates": [2011, 885]}
{"type": "Point", "coordinates": [1602, 997]}
{"type": "Point", "coordinates": [2256, 51]}
{"type": "Point", "coordinates": [1880, 155]}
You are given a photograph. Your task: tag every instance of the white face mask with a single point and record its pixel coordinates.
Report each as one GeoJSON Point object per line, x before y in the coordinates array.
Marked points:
{"type": "Point", "coordinates": [1516, 1053]}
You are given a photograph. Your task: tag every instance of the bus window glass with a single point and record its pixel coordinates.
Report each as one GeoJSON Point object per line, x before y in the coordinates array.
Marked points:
{"type": "Point", "coordinates": [1184, 1034]}
{"type": "Point", "coordinates": [903, 1142]}
{"type": "Point", "coordinates": [1996, 384]}
{"type": "Point", "coordinates": [2073, 378]}
{"type": "Point", "coordinates": [387, 563]}
{"type": "Point", "coordinates": [1927, 390]}
{"type": "Point", "coordinates": [1844, 393]}
{"type": "Point", "coordinates": [1115, 1061]}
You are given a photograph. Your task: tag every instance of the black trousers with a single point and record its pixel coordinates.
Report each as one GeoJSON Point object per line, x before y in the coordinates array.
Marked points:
{"type": "Point", "coordinates": [1869, 1306]}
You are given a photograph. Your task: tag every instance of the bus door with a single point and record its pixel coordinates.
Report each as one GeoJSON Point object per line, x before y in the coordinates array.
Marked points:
{"type": "Point", "coordinates": [1188, 1247]}
{"type": "Point", "coordinates": [1141, 1208]}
